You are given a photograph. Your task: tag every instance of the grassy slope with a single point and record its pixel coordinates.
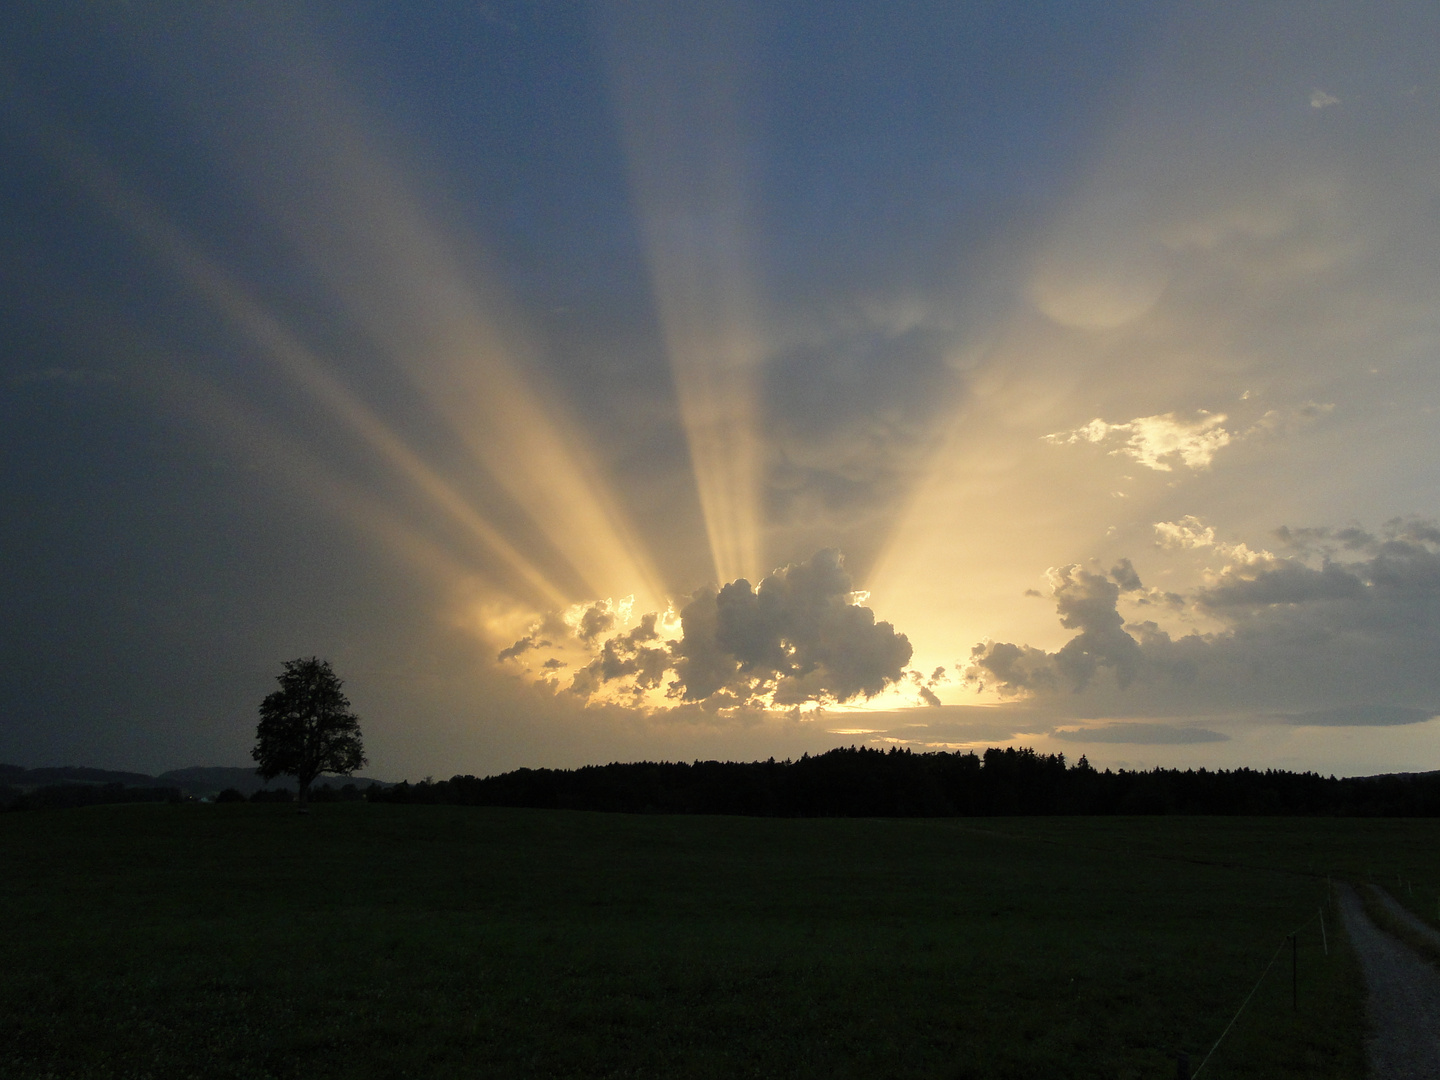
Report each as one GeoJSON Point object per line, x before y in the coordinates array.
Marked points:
{"type": "Point", "coordinates": [239, 941]}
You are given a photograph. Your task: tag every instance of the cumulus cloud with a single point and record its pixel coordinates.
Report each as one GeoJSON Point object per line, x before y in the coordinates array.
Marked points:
{"type": "Point", "coordinates": [799, 638]}
{"type": "Point", "coordinates": [1188, 532]}
{"type": "Point", "coordinates": [1086, 602]}
{"type": "Point", "coordinates": [1319, 99]}
{"type": "Point", "coordinates": [1342, 628]}
{"type": "Point", "coordinates": [1192, 533]}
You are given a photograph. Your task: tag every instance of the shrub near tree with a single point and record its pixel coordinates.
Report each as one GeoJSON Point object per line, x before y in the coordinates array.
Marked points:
{"type": "Point", "coordinates": [306, 727]}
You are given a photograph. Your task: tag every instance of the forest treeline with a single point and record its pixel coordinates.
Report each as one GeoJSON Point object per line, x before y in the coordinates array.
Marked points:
{"type": "Point", "coordinates": [862, 782]}
{"type": "Point", "coordinates": [846, 782]}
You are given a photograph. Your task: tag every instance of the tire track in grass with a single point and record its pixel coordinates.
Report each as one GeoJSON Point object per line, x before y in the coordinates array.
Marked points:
{"type": "Point", "coordinates": [1402, 1000]}
{"type": "Point", "coordinates": [1407, 918]}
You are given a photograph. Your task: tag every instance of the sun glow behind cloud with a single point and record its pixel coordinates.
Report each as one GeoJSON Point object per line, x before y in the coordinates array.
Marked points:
{"type": "Point", "coordinates": [1136, 369]}
{"type": "Point", "coordinates": [1122, 285]}
{"type": "Point", "coordinates": [801, 641]}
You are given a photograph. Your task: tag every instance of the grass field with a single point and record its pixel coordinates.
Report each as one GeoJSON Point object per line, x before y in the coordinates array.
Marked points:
{"type": "Point", "coordinates": [432, 941]}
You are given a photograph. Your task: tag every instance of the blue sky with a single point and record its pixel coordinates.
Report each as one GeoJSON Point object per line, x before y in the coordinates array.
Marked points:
{"type": "Point", "coordinates": [1057, 375]}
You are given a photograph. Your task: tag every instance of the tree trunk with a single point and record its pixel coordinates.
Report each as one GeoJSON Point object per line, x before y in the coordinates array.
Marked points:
{"type": "Point", "coordinates": [304, 799]}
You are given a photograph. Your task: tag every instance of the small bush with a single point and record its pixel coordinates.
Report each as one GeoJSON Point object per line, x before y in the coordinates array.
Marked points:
{"type": "Point", "coordinates": [230, 794]}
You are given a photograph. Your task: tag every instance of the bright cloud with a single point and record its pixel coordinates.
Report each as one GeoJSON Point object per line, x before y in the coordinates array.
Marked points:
{"type": "Point", "coordinates": [1157, 442]}
{"type": "Point", "coordinates": [1166, 440]}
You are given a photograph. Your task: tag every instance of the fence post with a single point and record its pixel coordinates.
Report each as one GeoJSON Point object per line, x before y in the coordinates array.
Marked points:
{"type": "Point", "coordinates": [1294, 973]}
{"type": "Point", "coordinates": [1182, 1066]}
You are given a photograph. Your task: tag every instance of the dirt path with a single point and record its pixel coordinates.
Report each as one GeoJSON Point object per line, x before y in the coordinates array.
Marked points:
{"type": "Point", "coordinates": [1403, 1000]}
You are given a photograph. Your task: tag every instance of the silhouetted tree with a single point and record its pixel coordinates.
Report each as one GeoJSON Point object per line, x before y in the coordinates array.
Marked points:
{"type": "Point", "coordinates": [306, 727]}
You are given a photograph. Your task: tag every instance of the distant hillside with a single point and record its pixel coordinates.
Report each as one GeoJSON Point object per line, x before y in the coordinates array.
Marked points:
{"type": "Point", "coordinates": [208, 779]}
{"type": "Point", "coordinates": [198, 780]}
{"type": "Point", "coordinates": [71, 774]}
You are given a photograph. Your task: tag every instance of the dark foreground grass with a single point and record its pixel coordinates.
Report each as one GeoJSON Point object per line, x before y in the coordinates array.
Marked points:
{"type": "Point", "coordinates": [431, 941]}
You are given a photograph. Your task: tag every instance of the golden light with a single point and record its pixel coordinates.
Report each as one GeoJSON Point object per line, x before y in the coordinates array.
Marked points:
{"type": "Point", "coordinates": [450, 330]}
{"type": "Point", "coordinates": [449, 334]}
{"type": "Point", "coordinates": [308, 372]}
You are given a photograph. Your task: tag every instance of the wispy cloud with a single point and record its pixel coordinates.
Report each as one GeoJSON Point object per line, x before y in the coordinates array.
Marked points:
{"type": "Point", "coordinates": [1167, 440]}
{"type": "Point", "coordinates": [1144, 734]}
{"type": "Point", "coordinates": [1360, 716]}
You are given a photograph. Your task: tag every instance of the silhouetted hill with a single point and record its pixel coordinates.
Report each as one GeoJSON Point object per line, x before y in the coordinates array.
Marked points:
{"type": "Point", "coordinates": [71, 774]}
{"type": "Point", "coordinates": [208, 779]}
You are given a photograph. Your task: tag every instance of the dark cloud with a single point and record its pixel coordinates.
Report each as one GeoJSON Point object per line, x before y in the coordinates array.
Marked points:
{"type": "Point", "coordinates": [1144, 734]}
{"type": "Point", "coordinates": [597, 619]}
{"type": "Point", "coordinates": [1085, 602]}
{"type": "Point", "coordinates": [1013, 669]}
{"type": "Point", "coordinates": [520, 648]}
{"type": "Point", "coordinates": [1123, 574]}
{"type": "Point", "coordinates": [1282, 581]}
{"type": "Point", "coordinates": [798, 635]}
{"type": "Point", "coordinates": [1317, 640]}
{"type": "Point", "coordinates": [1326, 542]}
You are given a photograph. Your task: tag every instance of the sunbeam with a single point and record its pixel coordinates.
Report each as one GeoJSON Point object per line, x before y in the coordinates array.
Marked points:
{"type": "Point", "coordinates": [676, 83]}
{"type": "Point", "coordinates": [301, 365]}
{"type": "Point", "coordinates": [448, 330]}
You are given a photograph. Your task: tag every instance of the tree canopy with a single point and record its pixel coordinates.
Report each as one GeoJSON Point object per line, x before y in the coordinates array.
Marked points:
{"type": "Point", "coordinates": [306, 727]}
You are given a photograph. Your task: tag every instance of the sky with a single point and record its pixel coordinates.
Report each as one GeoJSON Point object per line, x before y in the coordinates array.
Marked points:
{"type": "Point", "coordinates": [628, 380]}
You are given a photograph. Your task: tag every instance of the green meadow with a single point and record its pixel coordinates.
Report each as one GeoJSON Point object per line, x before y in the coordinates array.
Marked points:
{"type": "Point", "coordinates": [432, 941]}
